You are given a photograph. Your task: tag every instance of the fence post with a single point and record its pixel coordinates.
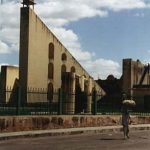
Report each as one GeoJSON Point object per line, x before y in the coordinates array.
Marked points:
{"type": "Point", "coordinates": [94, 103]}
{"type": "Point", "coordinates": [60, 101]}
{"type": "Point", "coordinates": [18, 101]}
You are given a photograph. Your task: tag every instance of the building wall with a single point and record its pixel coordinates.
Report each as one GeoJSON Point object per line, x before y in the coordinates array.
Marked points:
{"type": "Point", "coordinates": [140, 95]}
{"type": "Point", "coordinates": [34, 56]}
{"type": "Point", "coordinates": [136, 85]}
{"type": "Point", "coordinates": [132, 74]}
{"type": "Point", "coordinates": [12, 75]}
{"type": "Point", "coordinates": [8, 76]}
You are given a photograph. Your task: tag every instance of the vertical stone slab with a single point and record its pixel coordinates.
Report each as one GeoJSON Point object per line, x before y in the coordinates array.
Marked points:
{"type": "Point", "coordinates": [24, 48]}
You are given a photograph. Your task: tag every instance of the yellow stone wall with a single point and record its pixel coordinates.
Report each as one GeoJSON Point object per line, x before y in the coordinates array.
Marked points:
{"type": "Point", "coordinates": [8, 76]}
{"type": "Point", "coordinates": [36, 37]}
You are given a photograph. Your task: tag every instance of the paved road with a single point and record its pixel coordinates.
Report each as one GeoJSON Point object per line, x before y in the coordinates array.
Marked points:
{"type": "Point", "coordinates": [139, 140]}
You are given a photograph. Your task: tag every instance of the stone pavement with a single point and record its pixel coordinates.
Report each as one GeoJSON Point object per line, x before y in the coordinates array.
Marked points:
{"type": "Point", "coordinates": [68, 131]}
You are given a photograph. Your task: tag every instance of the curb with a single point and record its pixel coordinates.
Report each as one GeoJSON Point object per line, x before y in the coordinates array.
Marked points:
{"type": "Point", "coordinates": [69, 131]}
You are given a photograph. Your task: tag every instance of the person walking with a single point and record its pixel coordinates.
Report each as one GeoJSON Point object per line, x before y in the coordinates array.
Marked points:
{"type": "Point", "coordinates": [126, 120]}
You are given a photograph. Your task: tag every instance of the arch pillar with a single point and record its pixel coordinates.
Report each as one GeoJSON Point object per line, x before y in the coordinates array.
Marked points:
{"type": "Point", "coordinates": [89, 97]}
{"type": "Point", "coordinates": [69, 103]}
{"type": "Point", "coordinates": [82, 83]}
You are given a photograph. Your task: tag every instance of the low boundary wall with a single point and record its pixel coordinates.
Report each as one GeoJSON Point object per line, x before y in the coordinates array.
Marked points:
{"type": "Point", "coordinates": [27, 123]}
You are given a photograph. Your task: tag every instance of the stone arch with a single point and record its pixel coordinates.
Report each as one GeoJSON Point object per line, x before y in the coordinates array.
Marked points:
{"type": "Point", "coordinates": [73, 69]}
{"type": "Point", "coordinates": [63, 68]}
{"type": "Point", "coordinates": [51, 51]}
{"type": "Point", "coordinates": [63, 77]}
{"type": "Point", "coordinates": [50, 70]}
{"type": "Point", "coordinates": [63, 57]}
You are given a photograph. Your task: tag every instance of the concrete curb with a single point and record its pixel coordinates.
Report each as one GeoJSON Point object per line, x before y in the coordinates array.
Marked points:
{"type": "Point", "coordinates": [70, 131]}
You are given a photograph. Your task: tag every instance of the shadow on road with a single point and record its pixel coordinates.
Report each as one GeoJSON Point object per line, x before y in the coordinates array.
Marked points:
{"type": "Point", "coordinates": [111, 139]}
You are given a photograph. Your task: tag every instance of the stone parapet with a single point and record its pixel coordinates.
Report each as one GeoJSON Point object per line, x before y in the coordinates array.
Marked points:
{"type": "Point", "coordinates": [28, 123]}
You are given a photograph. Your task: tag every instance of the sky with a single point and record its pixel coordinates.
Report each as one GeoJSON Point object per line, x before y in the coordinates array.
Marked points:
{"type": "Point", "coordinates": [98, 33]}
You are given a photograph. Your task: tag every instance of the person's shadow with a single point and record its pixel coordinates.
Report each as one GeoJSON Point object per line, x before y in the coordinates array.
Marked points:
{"type": "Point", "coordinates": [110, 139]}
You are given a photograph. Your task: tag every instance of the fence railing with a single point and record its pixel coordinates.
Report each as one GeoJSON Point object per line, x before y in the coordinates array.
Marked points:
{"type": "Point", "coordinates": [38, 103]}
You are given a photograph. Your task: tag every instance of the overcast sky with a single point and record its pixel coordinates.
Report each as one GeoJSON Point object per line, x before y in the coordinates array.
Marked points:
{"type": "Point", "coordinates": [98, 33]}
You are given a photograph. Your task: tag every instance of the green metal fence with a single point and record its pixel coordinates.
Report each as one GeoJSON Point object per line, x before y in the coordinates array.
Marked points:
{"type": "Point", "coordinates": [82, 104]}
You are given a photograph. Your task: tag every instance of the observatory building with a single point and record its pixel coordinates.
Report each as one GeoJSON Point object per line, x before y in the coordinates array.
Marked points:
{"type": "Point", "coordinates": [45, 63]}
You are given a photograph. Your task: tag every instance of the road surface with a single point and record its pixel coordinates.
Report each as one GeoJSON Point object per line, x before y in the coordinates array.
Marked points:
{"type": "Point", "coordinates": [139, 140]}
